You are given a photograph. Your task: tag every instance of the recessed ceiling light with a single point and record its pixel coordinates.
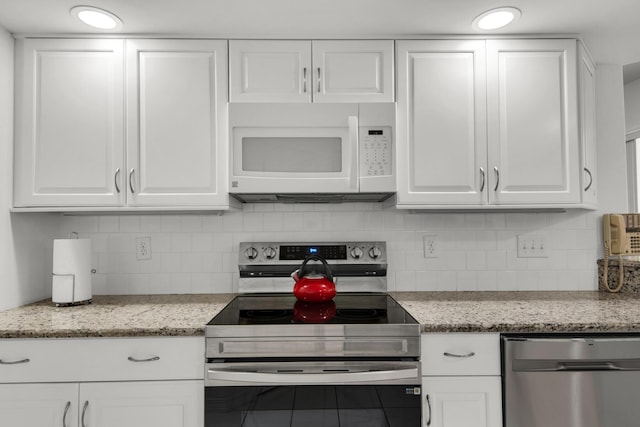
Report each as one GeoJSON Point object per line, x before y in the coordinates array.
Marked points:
{"type": "Point", "coordinates": [97, 18]}
{"type": "Point", "coordinates": [496, 18]}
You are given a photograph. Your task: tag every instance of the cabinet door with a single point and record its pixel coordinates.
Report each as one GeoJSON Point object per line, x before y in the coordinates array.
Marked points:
{"type": "Point", "coordinates": [587, 95]}
{"type": "Point", "coordinates": [441, 129]}
{"type": "Point", "coordinates": [533, 124]}
{"type": "Point", "coordinates": [461, 402]}
{"type": "Point", "coordinates": [269, 71]}
{"type": "Point", "coordinates": [135, 404]}
{"type": "Point", "coordinates": [353, 71]}
{"type": "Point", "coordinates": [176, 133]}
{"type": "Point", "coordinates": [69, 124]}
{"type": "Point", "coordinates": [39, 405]}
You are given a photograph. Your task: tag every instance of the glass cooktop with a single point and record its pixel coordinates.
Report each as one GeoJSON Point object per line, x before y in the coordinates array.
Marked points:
{"type": "Point", "coordinates": [281, 309]}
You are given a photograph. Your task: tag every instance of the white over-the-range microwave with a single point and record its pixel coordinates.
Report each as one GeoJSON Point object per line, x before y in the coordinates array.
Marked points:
{"type": "Point", "coordinates": [312, 152]}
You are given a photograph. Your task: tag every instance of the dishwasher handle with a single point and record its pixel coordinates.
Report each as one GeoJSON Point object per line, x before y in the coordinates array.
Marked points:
{"type": "Point", "coordinates": [520, 365]}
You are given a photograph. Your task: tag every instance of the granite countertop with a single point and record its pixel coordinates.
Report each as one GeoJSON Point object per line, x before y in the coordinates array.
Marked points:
{"type": "Point", "coordinates": [115, 316]}
{"type": "Point", "coordinates": [187, 315]}
{"type": "Point", "coordinates": [580, 311]}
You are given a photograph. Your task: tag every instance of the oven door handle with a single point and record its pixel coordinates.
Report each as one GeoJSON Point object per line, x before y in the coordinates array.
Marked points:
{"type": "Point", "coordinates": [326, 377]}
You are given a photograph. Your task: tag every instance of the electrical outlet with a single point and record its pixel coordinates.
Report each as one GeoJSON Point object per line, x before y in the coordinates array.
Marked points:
{"type": "Point", "coordinates": [430, 242]}
{"type": "Point", "coordinates": [532, 246]}
{"type": "Point", "coordinates": [143, 248]}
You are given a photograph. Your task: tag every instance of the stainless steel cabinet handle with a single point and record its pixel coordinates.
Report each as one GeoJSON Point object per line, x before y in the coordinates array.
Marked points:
{"type": "Point", "coordinates": [84, 412]}
{"type": "Point", "coordinates": [150, 359]}
{"type": "Point", "coordinates": [115, 179]}
{"type": "Point", "coordinates": [461, 356]}
{"type": "Point", "coordinates": [318, 79]}
{"type": "Point", "coordinates": [429, 408]}
{"type": "Point", "coordinates": [133, 190]}
{"type": "Point", "coordinates": [64, 415]}
{"type": "Point", "coordinates": [590, 179]}
{"type": "Point", "coordinates": [304, 80]}
{"type": "Point", "coordinates": [16, 362]}
{"type": "Point", "coordinates": [495, 168]}
{"type": "Point", "coordinates": [483, 179]}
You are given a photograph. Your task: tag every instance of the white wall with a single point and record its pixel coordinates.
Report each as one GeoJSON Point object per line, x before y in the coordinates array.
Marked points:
{"type": "Point", "coordinates": [632, 106]}
{"type": "Point", "coordinates": [25, 240]}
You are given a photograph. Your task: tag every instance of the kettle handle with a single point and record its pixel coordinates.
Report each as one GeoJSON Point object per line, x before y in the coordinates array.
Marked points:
{"type": "Point", "coordinates": [327, 270]}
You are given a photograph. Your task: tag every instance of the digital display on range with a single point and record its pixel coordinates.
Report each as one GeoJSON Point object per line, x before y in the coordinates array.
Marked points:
{"type": "Point", "coordinates": [328, 252]}
{"type": "Point", "coordinates": [376, 132]}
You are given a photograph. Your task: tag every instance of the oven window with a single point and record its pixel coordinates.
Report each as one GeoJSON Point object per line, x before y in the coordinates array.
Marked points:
{"type": "Point", "coordinates": [313, 406]}
{"type": "Point", "coordinates": [292, 154]}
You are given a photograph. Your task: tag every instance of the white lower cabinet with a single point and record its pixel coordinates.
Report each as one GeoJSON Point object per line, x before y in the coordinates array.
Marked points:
{"type": "Point", "coordinates": [102, 382]}
{"type": "Point", "coordinates": [122, 404]}
{"type": "Point", "coordinates": [461, 384]}
{"type": "Point", "coordinates": [461, 402]}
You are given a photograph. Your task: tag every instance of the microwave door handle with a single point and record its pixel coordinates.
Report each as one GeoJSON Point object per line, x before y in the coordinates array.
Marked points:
{"type": "Point", "coordinates": [353, 146]}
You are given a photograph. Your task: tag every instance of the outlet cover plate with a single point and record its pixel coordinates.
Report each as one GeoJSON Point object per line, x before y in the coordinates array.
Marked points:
{"type": "Point", "coordinates": [532, 246]}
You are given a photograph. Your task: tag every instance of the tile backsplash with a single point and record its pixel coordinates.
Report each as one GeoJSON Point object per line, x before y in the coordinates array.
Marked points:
{"type": "Point", "coordinates": [196, 253]}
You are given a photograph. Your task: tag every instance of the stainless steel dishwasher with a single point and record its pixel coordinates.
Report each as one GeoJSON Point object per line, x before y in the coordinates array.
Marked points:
{"type": "Point", "coordinates": [571, 381]}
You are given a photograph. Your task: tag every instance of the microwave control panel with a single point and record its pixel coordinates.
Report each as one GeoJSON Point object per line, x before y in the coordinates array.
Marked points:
{"type": "Point", "coordinates": [375, 151]}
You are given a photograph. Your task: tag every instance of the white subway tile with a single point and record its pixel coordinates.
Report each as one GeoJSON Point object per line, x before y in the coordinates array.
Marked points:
{"type": "Point", "coordinates": [212, 223]}
{"type": "Point", "coordinates": [427, 281]}
{"type": "Point", "coordinates": [224, 283]}
{"type": "Point", "coordinates": [202, 242]}
{"type": "Point", "coordinates": [405, 281]}
{"type": "Point", "coordinates": [180, 283]}
{"type": "Point", "coordinates": [507, 280]}
{"type": "Point", "coordinates": [448, 281]}
{"type": "Point", "coordinates": [496, 260]}
{"type": "Point", "coordinates": [232, 221]}
{"type": "Point", "coordinates": [140, 284]}
{"type": "Point", "coordinates": [191, 223]}
{"type": "Point", "coordinates": [487, 280]}
{"type": "Point", "coordinates": [160, 283]}
{"type": "Point", "coordinates": [476, 260]}
{"type": "Point", "coordinates": [212, 262]}
{"type": "Point", "coordinates": [129, 224]}
{"type": "Point", "coordinates": [454, 221]}
{"type": "Point", "coordinates": [171, 262]}
{"type": "Point", "coordinates": [171, 223]}
{"type": "Point", "coordinates": [466, 281]}
{"type": "Point", "coordinates": [495, 221]}
{"type": "Point", "coordinates": [527, 280]}
{"type": "Point", "coordinates": [465, 240]}
{"type": "Point", "coordinates": [415, 261]}
{"type": "Point", "coordinates": [202, 283]}
{"type": "Point", "coordinates": [474, 220]}
{"type": "Point", "coordinates": [192, 263]}
{"type": "Point", "coordinates": [292, 221]}
{"type": "Point", "coordinates": [253, 222]}
{"type": "Point", "coordinates": [486, 240]}
{"type": "Point", "coordinates": [151, 223]}
{"type": "Point", "coordinates": [548, 281]}
{"type": "Point", "coordinates": [180, 242]}
{"type": "Point", "coordinates": [222, 242]}
{"type": "Point", "coordinates": [108, 224]}
{"type": "Point", "coordinates": [120, 243]}
{"type": "Point", "coordinates": [273, 221]}
{"type": "Point", "coordinates": [87, 224]}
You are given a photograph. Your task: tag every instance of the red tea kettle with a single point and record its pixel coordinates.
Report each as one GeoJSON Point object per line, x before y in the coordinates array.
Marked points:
{"type": "Point", "coordinates": [313, 287]}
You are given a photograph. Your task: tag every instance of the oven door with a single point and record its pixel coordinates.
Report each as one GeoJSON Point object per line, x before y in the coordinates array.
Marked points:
{"type": "Point", "coordinates": [294, 149]}
{"type": "Point", "coordinates": [313, 394]}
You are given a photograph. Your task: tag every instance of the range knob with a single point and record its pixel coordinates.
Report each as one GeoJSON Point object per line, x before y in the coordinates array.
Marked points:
{"type": "Point", "coordinates": [251, 253]}
{"type": "Point", "coordinates": [375, 252]}
{"type": "Point", "coordinates": [356, 253]}
{"type": "Point", "coordinates": [269, 252]}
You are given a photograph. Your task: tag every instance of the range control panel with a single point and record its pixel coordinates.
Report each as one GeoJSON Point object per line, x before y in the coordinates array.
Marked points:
{"type": "Point", "coordinates": [272, 253]}
{"type": "Point", "coordinates": [375, 151]}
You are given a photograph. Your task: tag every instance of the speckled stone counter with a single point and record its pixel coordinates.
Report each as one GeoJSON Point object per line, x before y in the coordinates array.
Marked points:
{"type": "Point", "coordinates": [186, 315]}
{"type": "Point", "coordinates": [523, 311]}
{"type": "Point", "coordinates": [115, 316]}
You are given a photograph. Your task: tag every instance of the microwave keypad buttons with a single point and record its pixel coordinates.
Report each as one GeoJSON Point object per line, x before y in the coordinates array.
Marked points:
{"type": "Point", "coordinates": [376, 147]}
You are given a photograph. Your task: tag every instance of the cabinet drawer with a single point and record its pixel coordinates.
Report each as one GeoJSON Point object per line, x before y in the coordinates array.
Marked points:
{"type": "Point", "coordinates": [460, 354]}
{"type": "Point", "coordinates": [101, 359]}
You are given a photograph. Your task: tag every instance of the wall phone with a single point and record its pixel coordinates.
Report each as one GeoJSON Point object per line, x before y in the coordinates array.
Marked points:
{"type": "Point", "coordinates": [621, 236]}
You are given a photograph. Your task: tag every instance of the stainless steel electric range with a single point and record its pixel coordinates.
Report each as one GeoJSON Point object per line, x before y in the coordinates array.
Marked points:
{"type": "Point", "coordinates": [274, 361]}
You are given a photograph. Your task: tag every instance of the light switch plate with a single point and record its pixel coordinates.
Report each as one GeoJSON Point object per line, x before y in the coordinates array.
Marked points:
{"type": "Point", "coordinates": [532, 246]}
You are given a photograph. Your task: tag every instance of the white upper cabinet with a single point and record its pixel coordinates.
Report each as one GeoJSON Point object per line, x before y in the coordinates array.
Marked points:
{"type": "Point", "coordinates": [533, 122]}
{"type": "Point", "coordinates": [71, 149]}
{"type": "Point", "coordinates": [487, 123]}
{"type": "Point", "coordinates": [176, 134]}
{"type": "Point", "coordinates": [587, 96]}
{"type": "Point", "coordinates": [69, 122]}
{"type": "Point", "coordinates": [441, 130]}
{"type": "Point", "coordinates": [311, 71]}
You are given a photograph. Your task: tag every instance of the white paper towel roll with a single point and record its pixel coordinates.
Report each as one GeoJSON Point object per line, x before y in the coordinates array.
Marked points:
{"type": "Point", "coordinates": [71, 271]}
